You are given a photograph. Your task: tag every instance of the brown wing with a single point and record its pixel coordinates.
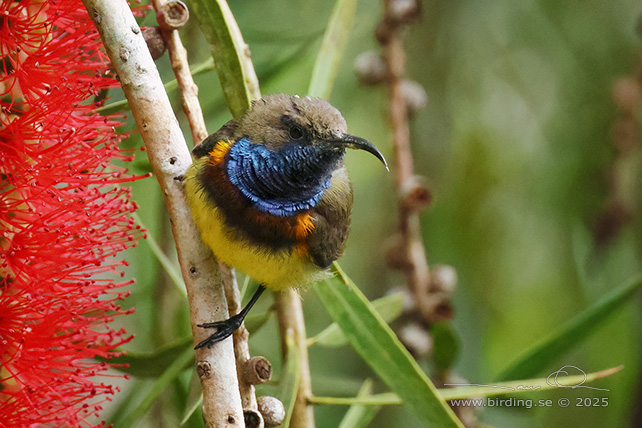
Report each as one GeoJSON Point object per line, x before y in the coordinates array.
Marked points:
{"type": "Point", "coordinates": [225, 133]}
{"type": "Point", "coordinates": [331, 219]}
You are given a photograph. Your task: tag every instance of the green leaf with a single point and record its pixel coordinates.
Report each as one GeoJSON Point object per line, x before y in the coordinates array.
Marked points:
{"type": "Point", "coordinates": [529, 385]}
{"type": "Point", "coordinates": [123, 406]}
{"type": "Point", "coordinates": [388, 307]}
{"type": "Point", "coordinates": [188, 414]}
{"type": "Point", "coordinates": [172, 270]}
{"type": "Point", "coordinates": [377, 344]}
{"type": "Point", "coordinates": [246, 282]}
{"type": "Point", "coordinates": [291, 378]}
{"type": "Point", "coordinates": [170, 373]}
{"type": "Point", "coordinates": [334, 42]}
{"type": "Point", "coordinates": [255, 322]}
{"type": "Point", "coordinates": [544, 353]}
{"type": "Point", "coordinates": [445, 345]}
{"type": "Point", "coordinates": [359, 416]}
{"type": "Point", "coordinates": [121, 105]}
{"type": "Point", "coordinates": [233, 64]}
{"type": "Point", "coordinates": [463, 392]}
{"type": "Point", "coordinates": [152, 364]}
{"type": "Point", "coordinates": [383, 399]}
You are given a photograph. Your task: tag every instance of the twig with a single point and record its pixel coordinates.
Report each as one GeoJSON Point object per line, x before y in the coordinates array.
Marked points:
{"type": "Point", "coordinates": [409, 186]}
{"type": "Point", "coordinates": [619, 208]}
{"type": "Point", "coordinates": [417, 271]}
{"type": "Point", "coordinates": [290, 317]}
{"type": "Point", "coordinates": [171, 16]}
{"type": "Point", "coordinates": [253, 417]}
{"type": "Point", "coordinates": [170, 158]}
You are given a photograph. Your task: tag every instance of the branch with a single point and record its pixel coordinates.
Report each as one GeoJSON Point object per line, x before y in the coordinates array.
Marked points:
{"type": "Point", "coordinates": [415, 265]}
{"type": "Point", "coordinates": [171, 16]}
{"type": "Point", "coordinates": [431, 291]}
{"type": "Point", "coordinates": [170, 158]}
{"type": "Point", "coordinates": [290, 317]}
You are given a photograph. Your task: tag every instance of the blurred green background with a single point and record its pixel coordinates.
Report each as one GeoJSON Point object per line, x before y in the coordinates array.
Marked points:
{"type": "Point", "coordinates": [517, 143]}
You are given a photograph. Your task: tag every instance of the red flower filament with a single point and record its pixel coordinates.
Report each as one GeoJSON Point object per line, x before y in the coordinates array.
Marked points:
{"type": "Point", "coordinates": [63, 217]}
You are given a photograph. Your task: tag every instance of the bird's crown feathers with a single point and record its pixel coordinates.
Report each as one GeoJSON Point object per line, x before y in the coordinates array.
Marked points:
{"type": "Point", "coordinates": [278, 119]}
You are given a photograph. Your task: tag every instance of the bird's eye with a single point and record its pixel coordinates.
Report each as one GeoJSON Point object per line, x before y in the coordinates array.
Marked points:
{"type": "Point", "coordinates": [296, 132]}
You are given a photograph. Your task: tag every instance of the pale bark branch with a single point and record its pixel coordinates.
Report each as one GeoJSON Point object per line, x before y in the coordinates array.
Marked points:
{"type": "Point", "coordinates": [170, 159]}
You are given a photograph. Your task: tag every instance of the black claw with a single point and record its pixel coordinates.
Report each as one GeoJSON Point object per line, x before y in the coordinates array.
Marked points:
{"type": "Point", "coordinates": [227, 327]}
{"type": "Point", "coordinates": [216, 324]}
{"type": "Point", "coordinates": [216, 337]}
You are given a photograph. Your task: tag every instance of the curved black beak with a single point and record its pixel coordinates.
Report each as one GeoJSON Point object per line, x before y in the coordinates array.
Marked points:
{"type": "Point", "coordinates": [358, 143]}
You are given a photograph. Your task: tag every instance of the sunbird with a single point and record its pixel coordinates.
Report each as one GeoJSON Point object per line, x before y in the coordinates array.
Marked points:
{"type": "Point", "coordinates": [271, 195]}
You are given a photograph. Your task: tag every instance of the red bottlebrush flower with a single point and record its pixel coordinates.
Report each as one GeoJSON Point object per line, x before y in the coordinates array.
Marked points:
{"type": "Point", "coordinates": [62, 218]}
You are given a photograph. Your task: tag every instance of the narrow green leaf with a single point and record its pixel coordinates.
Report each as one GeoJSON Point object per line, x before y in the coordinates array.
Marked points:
{"type": "Point", "coordinates": [544, 354]}
{"type": "Point", "coordinates": [171, 269]}
{"type": "Point", "coordinates": [445, 345]}
{"type": "Point", "coordinates": [290, 379]}
{"type": "Point", "coordinates": [170, 373]}
{"type": "Point", "coordinates": [463, 392]}
{"type": "Point", "coordinates": [246, 283]}
{"type": "Point", "coordinates": [388, 307]}
{"type": "Point", "coordinates": [330, 383]}
{"type": "Point", "coordinates": [135, 387]}
{"type": "Point", "coordinates": [334, 42]}
{"type": "Point", "coordinates": [359, 416]}
{"type": "Point", "coordinates": [529, 385]}
{"type": "Point", "coordinates": [255, 321]}
{"type": "Point", "coordinates": [233, 64]}
{"type": "Point", "coordinates": [151, 364]}
{"type": "Point", "coordinates": [377, 344]}
{"type": "Point", "coordinates": [198, 403]}
{"type": "Point", "coordinates": [169, 86]}
{"type": "Point", "coordinates": [383, 399]}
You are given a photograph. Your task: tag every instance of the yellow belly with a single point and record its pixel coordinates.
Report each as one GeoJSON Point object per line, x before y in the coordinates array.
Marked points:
{"type": "Point", "coordinates": [274, 270]}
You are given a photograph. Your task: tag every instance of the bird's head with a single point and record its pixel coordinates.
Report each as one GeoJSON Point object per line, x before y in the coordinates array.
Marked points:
{"type": "Point", "coordinates": [279, 120]}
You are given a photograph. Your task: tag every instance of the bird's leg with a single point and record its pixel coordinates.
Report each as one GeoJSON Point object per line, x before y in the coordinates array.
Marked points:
{"type": "Point", "coordinates": [227, 327]}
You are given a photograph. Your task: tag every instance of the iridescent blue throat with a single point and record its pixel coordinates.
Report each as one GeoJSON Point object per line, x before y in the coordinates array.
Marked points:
{"type": "Point", "coordinates": [284, 182]}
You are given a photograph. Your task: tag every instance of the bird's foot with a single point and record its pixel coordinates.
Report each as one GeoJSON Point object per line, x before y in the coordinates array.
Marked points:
{"type": "Point", "coordinates": [224, 330]}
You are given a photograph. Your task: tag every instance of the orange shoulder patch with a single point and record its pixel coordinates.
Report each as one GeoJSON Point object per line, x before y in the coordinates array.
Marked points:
{"type": "Point", "coordinates": [303, 226]}
{"type": "Point", "coordinates": [219, 151]}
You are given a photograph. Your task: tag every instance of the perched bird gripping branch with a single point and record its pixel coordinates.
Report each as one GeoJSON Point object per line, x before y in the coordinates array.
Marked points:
{"type": "Point", "coordinates": [271, 195]}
